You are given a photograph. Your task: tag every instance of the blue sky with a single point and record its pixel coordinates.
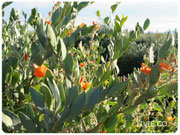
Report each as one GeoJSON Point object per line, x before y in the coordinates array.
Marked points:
{"type": "Point", "coordinates": [162, 14]}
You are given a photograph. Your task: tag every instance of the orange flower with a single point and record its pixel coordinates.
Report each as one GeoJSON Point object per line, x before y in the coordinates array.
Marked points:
{"type": "Point", "coordinates": [81, 79]}
{"type": "Point", "coordinates": [72, 54]}
{"type": "Point", "coordinates": [84, 85]}
{"type": "Point", "coordinates": [40, 71]}
{"type": "Point", "coordinates": [92, 62]}
{"type": "Point", "coordinates": [104, 132]}
{"type": "Point", "coordinates": [58, 2]}
{"type": "Point", "coordinates": [81, 25]}
{"type": "Point", "coordinates": [97, 27]}
{"type": "Point", "coordinates": [170, 118]}
{"type": "Point", "coordinates": [163, 66]}
{"type": "Point", "coordinates": [48, 22]}
{"type": "Point", "coordinates": [145, 69]}
{"type": "Point", "coordinates": [143, 64]}
{"type": "Point", "coordinates": [82, 64]}
{"type": "Point", "coordinates": [93, 23]}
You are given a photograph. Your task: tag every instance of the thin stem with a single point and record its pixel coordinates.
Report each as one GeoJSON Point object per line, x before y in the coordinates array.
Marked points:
{"type": "Point", "coordinates": [83, 123]}
{"type": "Point", "coordinates": [89, 131]}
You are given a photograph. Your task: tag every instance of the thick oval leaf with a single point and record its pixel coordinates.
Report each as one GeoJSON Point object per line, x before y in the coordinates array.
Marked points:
{"type": "Point", "coordinates": [56, 17]}
{"type": "Point", "coordinates": [37, 98]}
{"type": "Point", "coordinates": [78, 105]}
{"type": "Point", "coordinates": [15, 120]}
{"type": "Point", "coordinates": [106, 76]}
{"type": "Point", "coordinates": [92, 98]}
{"type": "Point", "coordinates": [117, 88]}
{"type": "Point", "coordinates": [47, 95]}
{"type": "Point", "coordinates": [110, 123]}
{"type": "Point", "coordinates": [15, 78]}
{"type": "Point", "coordinates": [7, 120]}
{"type": "Point", "coordinates": [30, 112]}
{"type": "Point", "coordinates": [165, 49]}
{"type": "Point", "coordinates": [51, 36]}
{"type": "Point", "coordinates": [62, 49]}
{"type": "Point", "coordinates": [55, 91]}
{"type": "Point", "coordinates": [154, 74]}
{"type": "Point", "coordinates": [146, 24]}
{"type": "Point", "coordinates": [68, 64]}
{"type": "Point", "coordinates": [168, 89]}
{"type": "Point", "coordinates": [98, 13]}
{"type": "Point", "coordinates": [62, 95]}
{"type": "Point", "coordinates": [27, 123]}
{"type": "Point", "coordinates": [41, 32]}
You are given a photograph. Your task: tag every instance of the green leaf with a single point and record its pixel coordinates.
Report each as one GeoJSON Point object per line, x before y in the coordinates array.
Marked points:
{"type": "Point", "coordinates": [157, 107]}
{"type": "Point", "coordinates": [117, 18]}
{"type": "Point", "coordinates": [154, 74]}
{"type": "Point", "coordinates": [170, 88]}
{"type": "Point", "coordinates": [47, 95]}
{"type": "Point", "coordinates": [106, 19]}
{"type": "Point", "coordinates": [30, 112]}
{"type": "Point", "coordinates": [5, 4]}
{"type": "Point", "coordinates": [57, 17]}
{"type": "Point", "coordinates": [146, 24]}
{"type": "Point", "coordinates": [62, 49]}
{"type": "Point", "coordinates": [99, 72]}
{"type": "Point", "coordinates": [165, 49]}
{"type": "Point", "coordinates": [118, 88]}
{"type": "Point", "coordinates": [41, 32]}
{"type": "Point", "coordinates": [102, 113]}
{"type": "Point", "coordinates": [78, 104]}
{"type": "Point", "coordinates": [110, 123]}
{"type": "Point", "coordinates": [13, 61]}
{"type": "Point", "coordinates": [27, 123]}
{"type": "Point", "coordinates": [117, 26]}
{"type": "Point", "coordinates": [68, 64]}
{"type": "Point", "coordinates": [15, 120]}
{"type": "Point", "coordinates": [123, 20]}
{"type": "Point", "coordinates": [7, 120]}
{"type": "Point", "coordinates": [37, 98]}
{"type": "Point", "coordinates": [129, 110]}
{"type": "Point", "coordinates": [63, 96]}
{"type": "Point", "coordinates": [113, 7]}
{"type": "Point", "coordinates": [55, 91]}
{"type": "Point", "coordinates": [51, 36]}
{"type": "Point", "coordinates": [15, 78]}
{"type": "Point", "coordinates": [106, 76]}
{"type": "Point", "coordinates": [113, 109]}
{"type": "Point", "coordinates": [98, 13]}
{"type": "Point", "coordinates": [82, 5]}
{"type": "Point", "coordinates": [92, 97]}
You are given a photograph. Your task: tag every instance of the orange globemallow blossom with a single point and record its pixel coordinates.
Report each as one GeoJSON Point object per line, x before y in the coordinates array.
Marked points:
{"type": "Point", "coordinates": [163, 66]}
{"type": "Point", "coordinates": [48, 22]}
{"type": "Point", "coordinates": [40, 71]}
{"type": "Point", "coordinates": [58, 2]}
{"type": "Point", "coordinates": [84, 85]}
{"type": "Point", "coordinates": [82, 64]}
{"type": "Point", "coordinates": [145, 69]}
{"type": "Point", "coordinates": [81, 79]}
{"type": "Point", "coordinates": [81, 25]}
{"type": "Point", "coordinates": [170, 118]}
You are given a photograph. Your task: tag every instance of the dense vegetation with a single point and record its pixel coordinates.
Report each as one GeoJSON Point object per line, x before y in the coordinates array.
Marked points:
{"type": "Point", "coordinates": [61, 78]}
